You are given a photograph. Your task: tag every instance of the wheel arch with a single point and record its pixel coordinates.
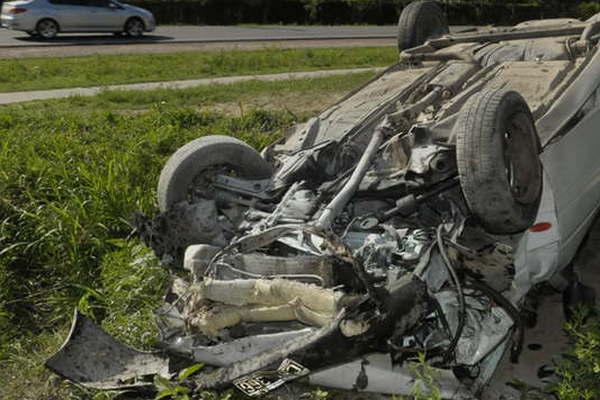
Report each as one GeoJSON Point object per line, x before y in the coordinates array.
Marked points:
{"type": "Point", "coordinates": [131, 18]}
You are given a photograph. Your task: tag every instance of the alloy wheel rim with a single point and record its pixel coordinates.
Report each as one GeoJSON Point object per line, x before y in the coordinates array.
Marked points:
{"type": "Point", "coordinates": [48, 29]}
{"type": "Point", "coordinates": [523, 175]}
{"type": "Point", "coordinates": [135, 28]}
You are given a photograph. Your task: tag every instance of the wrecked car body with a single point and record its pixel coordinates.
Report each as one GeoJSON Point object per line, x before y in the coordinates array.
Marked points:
{"type": "Point", "coordinates": [411, 217]}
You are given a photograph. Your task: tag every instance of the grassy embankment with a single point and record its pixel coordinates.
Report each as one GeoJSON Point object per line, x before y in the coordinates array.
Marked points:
{"type": "Point", "coordinates": [72, 173]}
{"type": "Point", "coordinates": [99, 70]}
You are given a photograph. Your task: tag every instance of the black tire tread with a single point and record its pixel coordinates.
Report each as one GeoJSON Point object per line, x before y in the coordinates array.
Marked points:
{"type": "Point", "coordinates": [413, 17]}
{"type": "Point", "coordinates": [47, 19]}
{"type": "Point", "coordinates": [126, 26]}
{"type": "Point", "coordinates": [185, 164]}
{"type": "Point", "coordinates": [481, 164]}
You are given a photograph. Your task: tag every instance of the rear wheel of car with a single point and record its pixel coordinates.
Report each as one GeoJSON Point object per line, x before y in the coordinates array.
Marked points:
{"type": "Point", "coordinates": [47, 29]}
{"type": "Point", "coordinates": [134, 27]}
{"type": "Point", "coordinates": [420, 21]}
{"type": "Point", "coordinates": [192, 169]}
{"type": "Point", "coordinates": [497, 151]}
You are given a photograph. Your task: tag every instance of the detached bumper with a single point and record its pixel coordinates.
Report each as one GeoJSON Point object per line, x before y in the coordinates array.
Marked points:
{"type": "Point", "coordinates": [93, 359]}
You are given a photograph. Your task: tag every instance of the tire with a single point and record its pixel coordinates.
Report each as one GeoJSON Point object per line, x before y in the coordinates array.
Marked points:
{"type": "Point", "coordinates": [497, 151]}
{"type": "Point", "coordinates": [47, 28]}
{"type": "Point", "coordinates": [134, 27]}
{"type": "Point", "coordinates": [420, 21]}
{"type": "Point", "coordinates": [188, 163]}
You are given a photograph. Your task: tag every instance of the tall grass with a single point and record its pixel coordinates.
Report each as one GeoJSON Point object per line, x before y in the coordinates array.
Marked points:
{"type": "Point", "coordinates": [68, 187]}
{"type": "Point", "coordinates": [579, 370]}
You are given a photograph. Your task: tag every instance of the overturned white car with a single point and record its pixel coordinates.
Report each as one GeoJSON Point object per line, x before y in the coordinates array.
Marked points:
{"type": "Point", "coordinates": [413, 216]}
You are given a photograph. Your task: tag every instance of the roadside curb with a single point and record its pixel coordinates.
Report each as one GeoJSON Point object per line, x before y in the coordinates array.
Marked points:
{"type": "Point", "coordinates": [21, 97]}
{"type": "Point", "coordinates": [116, 42]}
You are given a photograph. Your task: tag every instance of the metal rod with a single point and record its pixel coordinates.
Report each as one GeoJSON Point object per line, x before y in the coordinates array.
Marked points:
{"type": "Point", "coordinates": [335, 207]}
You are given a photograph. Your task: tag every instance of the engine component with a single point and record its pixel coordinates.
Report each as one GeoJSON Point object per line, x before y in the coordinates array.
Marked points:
{"type": "Point", "coordinates": [203, 156]}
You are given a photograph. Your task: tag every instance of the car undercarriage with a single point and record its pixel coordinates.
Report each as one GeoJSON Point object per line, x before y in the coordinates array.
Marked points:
{"type": "Point", "coordinates": [392, 225]}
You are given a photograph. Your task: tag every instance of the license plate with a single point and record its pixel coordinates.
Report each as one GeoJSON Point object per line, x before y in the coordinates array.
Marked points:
{"type": "Point", "coordinates": [262, 382]}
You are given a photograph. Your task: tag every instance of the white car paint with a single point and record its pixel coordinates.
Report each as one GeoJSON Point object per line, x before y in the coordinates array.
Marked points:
{"type": "Point", "coordinates": [74, 15]}
{"type": "Point", "coordinates": [572, 178]}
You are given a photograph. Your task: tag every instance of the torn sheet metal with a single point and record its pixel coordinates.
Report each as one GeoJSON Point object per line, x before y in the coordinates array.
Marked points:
{"type": "Point", "coordinates": [485, 327]}
{"type": "Point", "coordinates": [229, 353]}
{"type": "Point", "coordinates": [94, 359]}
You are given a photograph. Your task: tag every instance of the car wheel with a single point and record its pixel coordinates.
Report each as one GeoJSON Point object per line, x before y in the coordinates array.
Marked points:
{"type": "Point", "coordinates": [47, 29]}
{"type": "Point", "coordinates": [191, 170]}
{"type": "Point", "coordinates": [497, 151]}
{"type": "Point", "coordinates": [134, 27]}
{"type": "Point", "coordinates": [420, 21]}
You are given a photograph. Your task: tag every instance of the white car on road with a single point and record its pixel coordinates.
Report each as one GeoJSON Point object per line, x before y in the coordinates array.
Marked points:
{"type": "Point", "coordinates": [48, 18]}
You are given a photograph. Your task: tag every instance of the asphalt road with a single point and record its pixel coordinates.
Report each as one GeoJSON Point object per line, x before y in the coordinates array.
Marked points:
{"type": "Point", "coordinates": [206, 34]}
{"type": "Point", "coordinates": [200, 38]}
{"type": "Point", "coordinates": [213, 34]}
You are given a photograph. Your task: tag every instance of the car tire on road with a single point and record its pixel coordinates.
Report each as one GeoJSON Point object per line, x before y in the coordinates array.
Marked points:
{"type": "Point", "coordinates": [497, 151]}
{"type": "Point", "coordinates": [420, 21]}
{"type": "Point", "coordinates": [134, 27]}
{"type": "Point", "coordinates": [47, 28]}
{"type": "Point", "coordinates": [203, 156]}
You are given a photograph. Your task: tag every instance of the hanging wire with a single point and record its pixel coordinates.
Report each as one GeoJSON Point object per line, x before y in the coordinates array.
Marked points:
{"type": "Point", "coordinates": [457, 285]}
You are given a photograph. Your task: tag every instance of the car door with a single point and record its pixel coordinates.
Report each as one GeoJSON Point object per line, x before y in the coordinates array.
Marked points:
{"type": "Point", "coordinates": [105, 15]}
{"type": "Point", "coordinates": [70, 14]}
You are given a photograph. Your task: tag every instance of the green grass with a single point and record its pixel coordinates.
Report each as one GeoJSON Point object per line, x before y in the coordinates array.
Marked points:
{"type": "Point", "coordinates": [72, 173]}
{"type": "Point", "coordinates": [69, 189]}
{"type": "Point", "coordinates": [304, 95]}
{"type": "Point", "coordinates": [99, 70]}
{"type": "Point", "coordinates": [579, 370]}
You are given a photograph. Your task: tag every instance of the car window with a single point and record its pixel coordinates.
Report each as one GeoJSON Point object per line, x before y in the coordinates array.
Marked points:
{"type": "Point", "coordinates": [68, 2]}
{"type": "Point", "coordinates": [88, 3]}
{"type": "Point", "coordinates": [98, 3]}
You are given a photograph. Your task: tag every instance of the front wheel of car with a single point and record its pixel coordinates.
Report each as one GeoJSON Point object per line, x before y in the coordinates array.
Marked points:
{"type": "Point", "coordinates": [192, 170]}
{"type": "Point", "coordinates": [134, 27]}
{"type": "Point", "coordinates": [497, 151]}
{"type": "Point", "coordinates": [47, 29]}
